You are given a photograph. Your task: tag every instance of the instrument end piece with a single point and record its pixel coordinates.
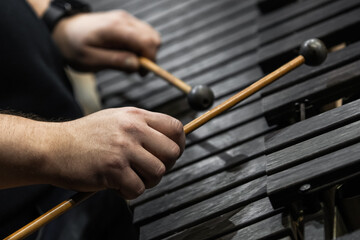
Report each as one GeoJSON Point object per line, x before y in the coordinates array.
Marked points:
{"type": "Point", "coordinates": [200, 97]}
{"type": "Point", "coordinates": [314, 51]}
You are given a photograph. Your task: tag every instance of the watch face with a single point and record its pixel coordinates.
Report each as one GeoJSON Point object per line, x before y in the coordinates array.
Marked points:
{"type": "Point", "coordinates": [71, 6]}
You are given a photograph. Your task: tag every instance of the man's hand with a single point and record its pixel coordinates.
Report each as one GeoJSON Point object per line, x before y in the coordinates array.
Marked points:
{"type": "Point", "coordinates": [95, 41]}
{"type": "Point", "coordinates": [127, 149]}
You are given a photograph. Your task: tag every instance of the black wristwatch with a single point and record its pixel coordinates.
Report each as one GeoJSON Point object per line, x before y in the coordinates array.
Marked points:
{"type": "Point", "coordinates": [59, 9]}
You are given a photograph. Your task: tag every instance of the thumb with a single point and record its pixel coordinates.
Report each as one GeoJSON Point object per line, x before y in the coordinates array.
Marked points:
{"type": "Point", "coordinates": [97, 59]}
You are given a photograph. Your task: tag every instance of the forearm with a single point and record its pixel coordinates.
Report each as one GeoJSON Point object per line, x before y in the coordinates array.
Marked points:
{"type": "Point", "coordinates": [23, 151]}
{"type": "Point", "coordinates": [127, 149]}
{"type": "Point", "coordinates": [39, 6]}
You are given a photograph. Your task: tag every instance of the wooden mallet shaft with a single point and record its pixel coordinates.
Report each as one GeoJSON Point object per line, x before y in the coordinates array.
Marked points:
{"type": "Point", "coordinates": [196, 123]}
{"type": "Point", "coordinates": [313, 52]}
{"type": "Point", "coordinates": [50, 215]}
{"type": "Point", "coordinates": [199, 97]}
{"type": "Point", "coordinates": [151, 66]}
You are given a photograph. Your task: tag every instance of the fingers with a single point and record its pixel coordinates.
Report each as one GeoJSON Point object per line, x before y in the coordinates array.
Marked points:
{"type": "Point", "coordinates": [97, 58]}
{"type": "Point", "coordinates": [161, 146]}
{"type": "Point", "coordinates": [161, 135]}
{"type": "Point", "coordinates": [153, 157]}
{"type": "Point", "coordinates": [131, 186]}
{"type": "Point", "coordinates": [160, 142]}
{"type": "Point", "coordinates": [141, 39]}
{"type": "Point", "coordinates": [141, 146]}
{"type": "Point", "coordinates": [82, 37]}
{"type": "Point", "coordinates": [169, 126]}
{"type": "Point", "coordinates": [145, 171]}
{"type": "Point", "coordinates": [165, 138]}
{"type": "Point", "coordinates": [148, 167]}
{"type": "Point", "coordinates": [157, 152]}
{"type": "Point", "coordinates": [138, 36]}
{"type": "Point", "coordinates": [127, 33]}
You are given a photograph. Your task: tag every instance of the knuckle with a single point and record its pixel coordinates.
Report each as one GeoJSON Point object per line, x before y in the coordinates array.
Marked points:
{"type": "Point", "coordinates": [121, 14]}
{"type": "Point", "coordinates": [147, 41]}
{"type": "Point", "coordinates": [150, 41]}
{"type": "Point", "coordinates": [153, 41]}
{"type": "Point", "coordinates": [121, 145]}
{"type": "Point", "coordinates": [160, 172]}
{"type": "Point", "coordinates": [175, 151]}
{"type": "Point", "coordinates": [115, 58]}
{"type": "Point", "coordinates": [133, 191]}
{"type": "Point", "coordinates": [130, 196]}
{"type": "Point", "coordinates": [156, 176]}
{"type": "Point", "coordinates": [107, 180]}
{"type": "Point", "coordinates": [136, 192]}
{"type": "Point", "coordinates": [133, 110]}
{"type": "Point", "coordinates": [140, 191]}
{"type": "Point", "coordinates": [178, 127]}
{"type": "Point", "coordinates": [117, 18]}
{"type": "Point", "coordinates": [81, 56]}
{"type": "Point", "coordinates": [131, 127]}
{"type": "Point", "coordinates": [116, 163]}
{"type": "Point", "coordinates": [157, 40]}
{"type": "Point", "coordinates": [134, 124]}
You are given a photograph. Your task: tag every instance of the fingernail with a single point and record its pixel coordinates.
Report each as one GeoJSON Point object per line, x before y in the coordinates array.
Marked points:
{"type": "Point", "coordinates": [131, 63]}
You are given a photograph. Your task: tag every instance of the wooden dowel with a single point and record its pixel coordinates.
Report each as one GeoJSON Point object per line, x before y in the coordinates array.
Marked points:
{"type": "Point", "coordinates": [196, 123]}
{"type": "Point", "coordinates": [188, 128]}
{"type": "Point", "coordinates": [151, 66]}
{"type": "Point", "coordinates": [49, 216]}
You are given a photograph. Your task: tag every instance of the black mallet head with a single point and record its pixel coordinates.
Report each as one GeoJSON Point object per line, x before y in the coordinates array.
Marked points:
{"type": "Point", "coordinates": [314, 51]}
{"type": "Point", "coordinates": [200, 97]}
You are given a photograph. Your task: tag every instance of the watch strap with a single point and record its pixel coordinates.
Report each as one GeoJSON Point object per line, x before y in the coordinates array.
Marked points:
{"type": "Point", "coordinates": [59, 9]}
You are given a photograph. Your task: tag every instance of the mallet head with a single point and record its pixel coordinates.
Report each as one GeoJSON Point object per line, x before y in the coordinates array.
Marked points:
{"type": "Point", "coordinates": [200, 97]}
{"type": "Point", "coordinates": [314, 51]}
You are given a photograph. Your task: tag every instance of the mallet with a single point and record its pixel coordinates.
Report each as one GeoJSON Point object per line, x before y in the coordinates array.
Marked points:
{"type": "Point", "coordinates": [313, 52]}
{"type": "Point", "coordinates": [199, 97]}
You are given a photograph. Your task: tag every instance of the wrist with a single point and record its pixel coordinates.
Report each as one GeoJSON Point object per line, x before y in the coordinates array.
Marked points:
{"type": "Point", "coordinates": [53, 149]}
{"type": "Point", "coordinates": [25, 153]}
{"type": "Point", "coordinates": [60, 9]}
{"type": "Point", "coordinates": [42, 137]}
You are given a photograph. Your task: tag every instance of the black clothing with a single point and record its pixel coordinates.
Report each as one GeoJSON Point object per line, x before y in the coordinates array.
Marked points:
{"type": "Point", "coordinates": [31, 67]}
{"type": "Point", "coordinates": [32, 81]}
